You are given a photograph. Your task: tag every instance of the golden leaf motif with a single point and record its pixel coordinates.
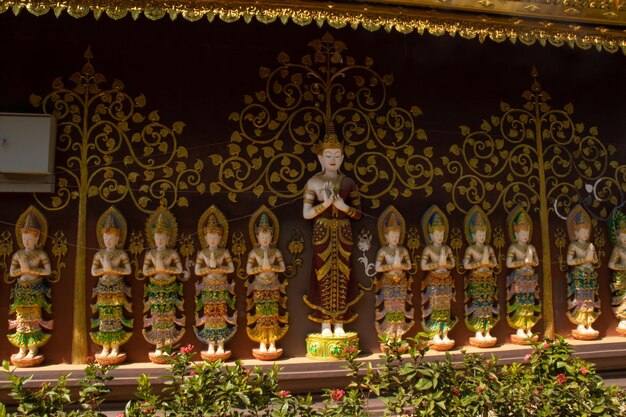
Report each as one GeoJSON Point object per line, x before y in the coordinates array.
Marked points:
{"type": "Point", "coordinates": [276, 148]}
{"type": "Point", "coordinates": [214, 188]}
{"type": "Point", "coordinates": [216, 159]}
{"type": "Point", "coordinates": [268, 152]}
{"type": "Point", "coordinates": [258, 190]}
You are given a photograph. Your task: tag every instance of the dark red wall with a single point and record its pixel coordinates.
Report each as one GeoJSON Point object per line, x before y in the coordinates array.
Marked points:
{"type": "Point", "coordinates": [199, 72]}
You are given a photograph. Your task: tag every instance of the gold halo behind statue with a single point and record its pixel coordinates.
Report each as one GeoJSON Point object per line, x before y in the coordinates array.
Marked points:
{"type": "Point", "coordinates": [36, 220]}
{"type": "Point", "coordinates": [518, 217]}
{"type": "Point", "coordinates": [112, 216]}
{"type": "Point", "coordinates": [476, 219]}
{"type": "Point", "coordinates": [577, 218]}
{"type": "Point", "coordinates": [430, 223]}
{"type": "Point", "coordinates": [221, 220]}
{"type": "Point", "coordinates": [391, 214]}
{"type": "Point", "coordinates": [161, 220]}
{"type": "Point", "coordinates": [254, 220]}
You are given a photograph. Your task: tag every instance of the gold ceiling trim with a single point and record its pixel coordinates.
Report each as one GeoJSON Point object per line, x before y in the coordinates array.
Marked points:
{"type": "Point", "coordinates": [602, 12]}
{"type": "Point", "coordinates": [529, 28]}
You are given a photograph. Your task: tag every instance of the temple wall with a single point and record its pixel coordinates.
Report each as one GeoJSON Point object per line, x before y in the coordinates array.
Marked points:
{"type": "Point", "coordinates": [199, 73]}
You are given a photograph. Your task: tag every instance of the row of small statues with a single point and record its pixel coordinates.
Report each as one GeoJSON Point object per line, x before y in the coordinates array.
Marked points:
{"type": "Point", "coordinates": [332, 200]}
{"type": "Point", "coordinates": [267, 318]}
{"type": "Point", "coordinates": [163, 326]}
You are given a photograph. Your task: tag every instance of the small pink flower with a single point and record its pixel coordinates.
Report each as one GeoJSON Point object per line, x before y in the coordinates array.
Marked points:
{"type": "Point", "coordinates": [561, 379]}
{"type": "Point", "coordinates": [247, 371]}
{"type": "Point", "coordinates": [185, 350]}
{"type": "Point", "coordinates": [492, 378]}
{"type": "Point", "coordinates": [536, 392]}
{"type": "Point", "coordinates": [284, 394]}
{"type": "Point", "coordinates": [90, 359]}
{"type": "Point", "coordinates": [455, 391]}
{"type": "Point", "coordinates": [337, 394]}
{"type": "Point", "coordinates": [350, 349]}
{"type": "Point", "coordinates": [584, 371]}
{"type": "Point", "coordinates": [547, 345]}
{"type": "Point", "coordinates": [528, 356]}
{"type": "Point", "coordinates": [480, 388]}
{"type": "Point", "coordinates": [192, 373]}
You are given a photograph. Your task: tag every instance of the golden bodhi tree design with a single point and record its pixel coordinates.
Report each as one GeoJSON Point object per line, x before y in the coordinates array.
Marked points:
{"type": "Point", "coordinates": [539, 157]}
{"type": "Point", "coordinates": [268, 153]}
{"type": "Point", "coordinates": [107, 149]}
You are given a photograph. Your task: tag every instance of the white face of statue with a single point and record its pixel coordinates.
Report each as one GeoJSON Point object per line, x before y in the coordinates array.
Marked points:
{"type": "Point", "coordinates": [264, 238]}
{"type": "Point", "coordinates": [437, 237]}
{"type": "Point", "coordinates": [480, 236]}
{"type": "Point", "coordinates": [522, 236]}
{"type": "Point", "coordinates": [161, 240]}
{"type": "Point", "coordinates": [393, 237]}
{"type": "Point", "coordinates": [622, 237]}
{"type": "Point", "coordinates": [213, 239]}
{"type": "Point", "coordinates": [30, 240]}
{"type": "Point", "coordinates": [582, 233]}
{"type": "Point", "coordinates": [110, 240]}
{"type": "Point", "coordinates": [331, 160]}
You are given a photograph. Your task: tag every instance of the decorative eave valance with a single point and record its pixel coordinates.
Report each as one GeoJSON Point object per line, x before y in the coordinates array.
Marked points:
{"type": "Point", "coordinates": [584, 24]}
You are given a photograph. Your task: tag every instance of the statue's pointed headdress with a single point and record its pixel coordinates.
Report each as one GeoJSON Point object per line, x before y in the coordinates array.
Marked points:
{"type": "Point", "coordinates": [264, 224]}
{"type": "Point", "coordinates": [521, 222]}
{"type": "Point", "coordinates": [435, 222]}
{"type": "Point", "coordinates": [110, 225]}
{"type": "Point", "coordinates": [581, 220]}
{"type": "Point", "coordinates": [31, 225]}
{"type": "Point", "coordinates": [212, 225]}
{"type": "Point", "coordinates": [392, 224]}
{"type": "Point", "coordinates": [161, 225]}
{"type": "Point", "coordinates": [478, 223]}
{"type": "Point", "coordinates": [329, 141]}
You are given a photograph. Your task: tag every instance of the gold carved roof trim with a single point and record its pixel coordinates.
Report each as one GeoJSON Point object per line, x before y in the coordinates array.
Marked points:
{"type": "Point", "coordinates": [602, 12]}
{"type": "Point", "coordinates": [594, 28]}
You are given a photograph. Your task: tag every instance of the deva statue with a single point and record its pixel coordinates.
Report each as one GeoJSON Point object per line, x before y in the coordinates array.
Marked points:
{"type": "Point", "coordinates": [110, 265]}
{"type": "Point", "coordinates": [216, 322]}
{"type": "Point", "coordinates": [481, 289]}
{"type": "Point", "coordinates": [394, 307]}
{"type": "Point", "coordinates": [583, 301]}
{"type": "Point", "coordinates": [266, 298]}
{"type": "Point", "coordinates": [332, 199]}
{"type": "Point", "coordinates": [523, 301]}
{"type": "Point", "coordinates": [163, 292]}
{"type": "Point", "coordinates": [29, 266]}
{"type": "Point", "coordinates": [438, 291]}
{"type": "Point", "coordinates": [617, 262]}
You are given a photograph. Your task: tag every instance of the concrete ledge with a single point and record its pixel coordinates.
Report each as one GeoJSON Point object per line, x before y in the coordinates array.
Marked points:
{"type": "Point", "coordinates": [305, 375]}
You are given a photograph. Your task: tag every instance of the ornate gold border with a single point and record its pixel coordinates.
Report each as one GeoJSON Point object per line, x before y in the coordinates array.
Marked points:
{"type": "Point", "coordinates": [567, 22]}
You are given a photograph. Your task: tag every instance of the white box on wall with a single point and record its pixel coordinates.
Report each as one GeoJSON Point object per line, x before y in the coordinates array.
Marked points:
{"type": "Point", "coordinates": [27, 149]}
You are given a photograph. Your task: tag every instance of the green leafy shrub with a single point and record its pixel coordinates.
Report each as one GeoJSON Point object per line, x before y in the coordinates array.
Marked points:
{"type": "Point", "coordinates": [549, 382]}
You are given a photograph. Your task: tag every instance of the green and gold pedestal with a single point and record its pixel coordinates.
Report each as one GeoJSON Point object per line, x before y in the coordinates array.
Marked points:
{"type": "Point", "coordinates": [324, 348]}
